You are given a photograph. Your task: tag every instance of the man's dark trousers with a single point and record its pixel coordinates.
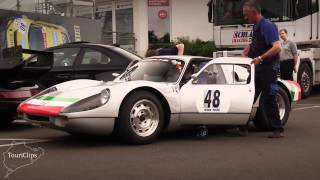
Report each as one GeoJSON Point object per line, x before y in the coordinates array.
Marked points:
{"type": "Point", "coordinates": [266, 83]}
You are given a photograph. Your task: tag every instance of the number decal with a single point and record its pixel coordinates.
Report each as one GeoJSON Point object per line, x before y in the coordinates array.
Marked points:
{"type": "Point", "coordinates": [207, 99]}
{"type": "Point", "coordinates": [211, 102]}
{"type": "Point", "coordinates": [216, 99]}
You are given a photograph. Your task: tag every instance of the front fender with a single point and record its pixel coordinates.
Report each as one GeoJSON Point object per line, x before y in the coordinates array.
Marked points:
{"type": "Point", "coordinates": [119, 92]}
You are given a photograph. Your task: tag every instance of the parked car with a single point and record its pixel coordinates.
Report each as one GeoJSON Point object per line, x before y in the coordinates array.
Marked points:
{"type": "Point", "coordinates": [157, 94]}
{"type": "Point", "coordinates": [31, 33]}
{"type": "Point", "coordinates": [70, 61]}
{"type": "Point", "coordinates": [84, 61]}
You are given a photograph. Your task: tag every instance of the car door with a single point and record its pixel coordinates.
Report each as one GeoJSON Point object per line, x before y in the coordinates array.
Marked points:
{"type": "Point", "coordinates": [64, 60]}
{"type": "Point", "coordinates": [98, 64]}
{"type": "Point", "coordinates": [220, 94]}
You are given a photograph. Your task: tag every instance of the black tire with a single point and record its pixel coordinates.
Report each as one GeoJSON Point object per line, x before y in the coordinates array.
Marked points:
{"type": "Point", "coordinates": [305, 79]}
{"type": "Point", "coordinates": [126, 127]}
{"type": "Point", "coordinates": [7, 118]}
{"type": "Point", "coordinates": [262, 122]}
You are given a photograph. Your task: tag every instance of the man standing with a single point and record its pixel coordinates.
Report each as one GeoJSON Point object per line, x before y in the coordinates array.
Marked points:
{"type": "Point", "coordinates": [264, 50]}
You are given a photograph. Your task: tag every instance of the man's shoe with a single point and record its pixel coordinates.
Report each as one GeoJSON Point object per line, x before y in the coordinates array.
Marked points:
{"type": "Point", "coordinates": [276, 134]}
{"type": "Point", "coordinates": [202, 132]}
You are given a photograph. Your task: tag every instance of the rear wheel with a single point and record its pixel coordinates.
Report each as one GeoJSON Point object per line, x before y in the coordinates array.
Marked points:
{"type": "Point", "coordinates": [305, 79]}
{"type": "Point", "coordinates": [262, 121]}
{"type": "Point", "coordinates": [141, 118]}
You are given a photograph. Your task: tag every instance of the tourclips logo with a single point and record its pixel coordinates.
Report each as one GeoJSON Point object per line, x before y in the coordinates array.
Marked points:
{"type": "Point", "coordinates": [20, 155]}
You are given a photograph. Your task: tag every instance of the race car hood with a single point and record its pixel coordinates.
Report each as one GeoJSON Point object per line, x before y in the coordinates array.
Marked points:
{"type": "Point", "coordinates": [82, 84]}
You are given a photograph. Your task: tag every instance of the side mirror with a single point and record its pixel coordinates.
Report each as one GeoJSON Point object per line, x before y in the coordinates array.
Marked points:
{"type": "Point", "coordinates": [115, 74]}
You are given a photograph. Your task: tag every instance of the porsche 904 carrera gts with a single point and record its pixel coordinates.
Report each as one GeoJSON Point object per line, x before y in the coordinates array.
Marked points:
{"type": "Point", "coordinates": [157, 94]}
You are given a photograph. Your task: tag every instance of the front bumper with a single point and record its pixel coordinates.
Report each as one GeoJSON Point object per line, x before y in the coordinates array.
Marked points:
{"type": "Point", "coordinates": [93, 126]}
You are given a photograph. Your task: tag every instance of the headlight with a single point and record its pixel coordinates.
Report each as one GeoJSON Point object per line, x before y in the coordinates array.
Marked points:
{"type": "Point", "coordinates": [89, 103]}
{"type": "Point", "coordinates": [104, 96]}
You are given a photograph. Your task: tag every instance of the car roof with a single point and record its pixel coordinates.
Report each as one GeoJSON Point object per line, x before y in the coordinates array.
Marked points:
{"type": "Point", "coordinates": [232, 60]}
{"type": "Point", "coordinates": [119, 50]}
{"type": "Point", "coordinates": [185, 58]}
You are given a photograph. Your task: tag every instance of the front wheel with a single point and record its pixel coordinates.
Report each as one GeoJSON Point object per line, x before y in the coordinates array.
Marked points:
{"type": "Point", "coordinates": [141, 118]}
{"type": "Point", "coordinates": [7, 118]}
{"type": "Point", "coordinates": [262, 121]}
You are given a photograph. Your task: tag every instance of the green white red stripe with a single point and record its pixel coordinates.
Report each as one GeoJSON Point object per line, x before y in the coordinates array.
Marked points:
{"type": "Point", "coordinates": [294, 89]}
{"type": "Point", "coordinates": [46, 105]}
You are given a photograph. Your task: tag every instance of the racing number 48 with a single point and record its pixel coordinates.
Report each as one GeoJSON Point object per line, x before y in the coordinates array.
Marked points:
{"type": "Point", "coordinates": [212, 97]}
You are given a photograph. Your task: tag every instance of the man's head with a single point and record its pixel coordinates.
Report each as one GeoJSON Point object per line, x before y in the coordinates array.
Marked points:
{"type": "Point", "coordinates": [252, 11]}
{"type": "Point", "coordinates": [284, 34]}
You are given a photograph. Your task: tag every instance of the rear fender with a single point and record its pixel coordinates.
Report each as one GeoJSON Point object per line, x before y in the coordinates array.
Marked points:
{"type": "Point", "coordinates": [292, 89]}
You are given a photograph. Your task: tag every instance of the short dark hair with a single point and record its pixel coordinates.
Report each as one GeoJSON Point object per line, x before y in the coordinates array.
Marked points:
{"type": "Point", "coordinates": [284, 30]}
{"type": "Point", "coordinates": [253, 5]}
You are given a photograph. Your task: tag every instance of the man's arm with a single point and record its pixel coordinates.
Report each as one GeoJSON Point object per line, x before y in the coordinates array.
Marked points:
{"type": "Point", "coordinates": [294, 51]}
{"type": "Point", "coordinates": [246, 50]}
{"type": "Point", "coordinates": [295, 61]}
{"type": "Point", "coordinates": [276, 48]}
{"type": "Point", "coordinates": [180, 48]}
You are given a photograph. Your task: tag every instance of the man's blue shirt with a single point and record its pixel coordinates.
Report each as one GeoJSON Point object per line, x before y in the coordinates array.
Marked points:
{"type": "Point", "coordinates": [268, 30]}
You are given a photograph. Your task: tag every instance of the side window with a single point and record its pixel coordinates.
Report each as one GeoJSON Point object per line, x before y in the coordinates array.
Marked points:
{"type": "Point", "coordinates": [35, 38]}
{"type": "Point", "coordinates": [241, 74]}
{"type": "Point", "coordinates": [65, 57]}
{"type": "Point", "coordinates": [213, 74]}
{"type": "Point", "coordinates": [194, 67]}
{"type": "Point", "coordinates": [92, 57]}
{"type": "Point", "coordinates": [225, 74]}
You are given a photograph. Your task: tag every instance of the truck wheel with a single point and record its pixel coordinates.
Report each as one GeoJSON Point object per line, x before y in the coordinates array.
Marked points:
{"type": "Point", "coordinates": [141, 118]}
{"type": "Point", "coordinates": [261, 120]}
{"type": "Point", "coordinates": [305, 79]}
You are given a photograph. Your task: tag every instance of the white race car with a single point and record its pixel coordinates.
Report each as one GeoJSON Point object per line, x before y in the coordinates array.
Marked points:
{"type": "Point", "coordinates": [157, 94]}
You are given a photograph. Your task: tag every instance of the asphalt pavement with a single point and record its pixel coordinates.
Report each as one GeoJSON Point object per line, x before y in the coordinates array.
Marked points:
{"type": "Point", "coordinates": [176, 155]}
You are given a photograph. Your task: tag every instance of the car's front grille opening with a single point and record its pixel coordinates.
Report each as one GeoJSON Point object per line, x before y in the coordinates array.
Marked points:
{"type": "Point", "coordinates": [38, 118]}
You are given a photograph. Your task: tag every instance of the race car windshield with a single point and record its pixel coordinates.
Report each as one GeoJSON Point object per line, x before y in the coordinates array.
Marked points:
{"type": "Point", "coordinates": [155, 70]}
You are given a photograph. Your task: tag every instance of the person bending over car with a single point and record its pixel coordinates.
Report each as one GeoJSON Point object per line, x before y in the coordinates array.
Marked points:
{"type": "Point", "coordinates": [176, 49]}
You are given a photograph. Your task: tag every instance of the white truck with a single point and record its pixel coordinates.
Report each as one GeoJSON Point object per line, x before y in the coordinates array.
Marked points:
{"type": "Point", "coordinates": [299, 17]}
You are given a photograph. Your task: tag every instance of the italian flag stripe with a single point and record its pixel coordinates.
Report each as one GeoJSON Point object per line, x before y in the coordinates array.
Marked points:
{"type": "Point", "coordinates": [61, 99]}
{"type": "Point", "coordinates": [40, 110]}
{"type": "Point", "coordinates": [295, 89]}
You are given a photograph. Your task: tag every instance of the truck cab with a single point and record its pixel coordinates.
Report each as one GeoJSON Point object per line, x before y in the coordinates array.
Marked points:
{"type": "Point", "coordinates": [300, 17]}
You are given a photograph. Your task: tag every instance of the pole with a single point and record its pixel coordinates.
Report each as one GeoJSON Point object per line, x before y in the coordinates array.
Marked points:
{"type": "Point", "coordinates": [18, 5]}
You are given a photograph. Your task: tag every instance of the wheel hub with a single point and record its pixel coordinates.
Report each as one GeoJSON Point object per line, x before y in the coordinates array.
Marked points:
{"type": "Point", "coordinates": [144, 117]}
{"type": "Point", "coordinates": [282, 106]}
{"type": "Point", "coordinates": [305, 81]}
